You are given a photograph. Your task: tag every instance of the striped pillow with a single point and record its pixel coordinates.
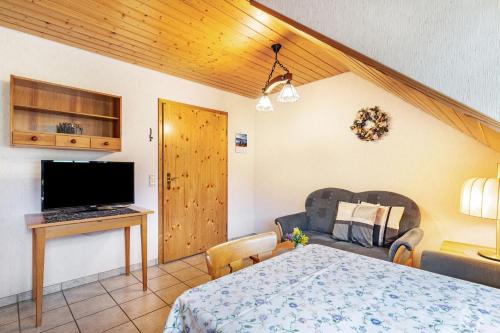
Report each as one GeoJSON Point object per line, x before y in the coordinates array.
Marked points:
{"type": "Point", "coordinates": [386, 227]}
{"type": "Point", "coordinates": [354, 223]}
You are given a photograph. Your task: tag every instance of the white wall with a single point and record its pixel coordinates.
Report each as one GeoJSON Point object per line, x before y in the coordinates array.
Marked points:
{"type": "Point", "coordinates": [451, 46]}
{"type": "Point", "coordinates": [70, 258]}
{"type": "Point", "coordinates": [308, 145]}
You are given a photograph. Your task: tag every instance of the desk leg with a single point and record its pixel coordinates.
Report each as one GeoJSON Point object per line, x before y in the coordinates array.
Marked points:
{"type": "Point", "coordinates": [144, 248]}
{"type": "Point", "coordinates": [33, 259]}
{"type": "Point", "coordinates": [127, 250]}
{"type": "Point", "coordinates": [39, 263]}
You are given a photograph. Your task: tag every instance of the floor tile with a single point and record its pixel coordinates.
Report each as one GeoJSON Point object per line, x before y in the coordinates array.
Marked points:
{"type": "Point", "coordinates": [198, 280]}
{"type": "Point", "coordinates": [174, 266]}
{"type": "Point", "coordinates": [202, 267]}
{"type": "Point", "coordinates": [153, 322]}
{"type": "Point", "coordinates": [102, 321]}
{"type": "Point", "coordinates": [170, 294]}
{"type": "Point", "coordinates": [66, 328]}
{"type": "Point", "coordinates": [187, 273]}
{"type": "Point", "coordinates": [91, 306]}
{"type": "Point", "coordinates": [50, 319]}
{"type": "Point", "coordinates": [124, 328]}
{"type": "Point", "coordinates": [50, 302]}
{"type": "Point", "coordinates": [195, 260]}
{"type": "Point", "coordinates": [81, 293]}
{"type": "Point", "coordinates": [118, 282]}
{"type": "Point", "coordinates": [129, 293]}
{"type": "Point", "coordinates": [10, 328]}
{"type": "Point", "coordinates": [8, 314]}
{"type": "Point", "coordinates": [141, 306]}
{"type": "Point", "coordinates": [153, 272]}
{"type": "Point", "coordinates": [161, 282]}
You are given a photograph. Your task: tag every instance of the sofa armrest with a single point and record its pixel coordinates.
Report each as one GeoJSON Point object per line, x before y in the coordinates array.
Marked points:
{"type": "Point", "coordinates": [409, 240]}
{"type": "Point", "coordinates": [287, 223]}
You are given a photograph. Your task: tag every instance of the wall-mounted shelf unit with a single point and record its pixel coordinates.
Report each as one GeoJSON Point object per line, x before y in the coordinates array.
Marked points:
{"type": "Point", "coordinates": [37, 108]}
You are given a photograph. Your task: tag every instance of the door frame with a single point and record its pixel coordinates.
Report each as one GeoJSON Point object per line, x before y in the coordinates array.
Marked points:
{"type": "Point", "coordinates": [161, 194]}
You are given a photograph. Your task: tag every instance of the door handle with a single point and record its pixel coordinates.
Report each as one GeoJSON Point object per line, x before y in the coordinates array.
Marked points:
{"type": "Point", "coordinates": [170, 179]}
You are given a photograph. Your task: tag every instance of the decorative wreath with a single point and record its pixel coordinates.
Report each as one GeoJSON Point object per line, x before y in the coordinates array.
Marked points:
{"type": "Point", "coordinates": [370, 124]}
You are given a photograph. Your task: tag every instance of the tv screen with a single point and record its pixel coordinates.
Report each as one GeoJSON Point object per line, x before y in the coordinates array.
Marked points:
{"type": "Point", "coordinates": [77, 183]}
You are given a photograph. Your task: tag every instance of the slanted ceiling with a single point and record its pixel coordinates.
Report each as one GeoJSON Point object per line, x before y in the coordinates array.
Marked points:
{"type": "Point", "coordinates": [224, 44]}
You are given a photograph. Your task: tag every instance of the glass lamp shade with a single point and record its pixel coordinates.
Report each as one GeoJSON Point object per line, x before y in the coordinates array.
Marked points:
{"type": "Point", "coordinates": [288, 94]}
{"type": "Point", "coordinates": [480, 197]}
{"type": "Point", "coordinates": [264, 104]}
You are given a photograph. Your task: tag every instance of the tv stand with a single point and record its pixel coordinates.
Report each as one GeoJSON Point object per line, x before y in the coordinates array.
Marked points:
{"type": "Point", "coordinates": [43, 230]}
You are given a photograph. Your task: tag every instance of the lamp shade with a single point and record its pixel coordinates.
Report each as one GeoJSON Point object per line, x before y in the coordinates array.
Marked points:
{"type": "Point", "coordinates": [480, 197]}
{"type": "Point", "coordinates": [264, 104]}
{"type": "Point", "coordinates": [288, 94]}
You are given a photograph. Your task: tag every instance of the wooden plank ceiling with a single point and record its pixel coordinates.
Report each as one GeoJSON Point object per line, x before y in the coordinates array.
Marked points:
{"type": "Point", "coordinates": [224, 44]}
{"type": "Point", "coordinates": [216, 43]}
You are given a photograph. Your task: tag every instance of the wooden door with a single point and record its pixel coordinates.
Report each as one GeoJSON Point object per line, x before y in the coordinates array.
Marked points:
{"type": "Point", "coordinates": [192, 179]}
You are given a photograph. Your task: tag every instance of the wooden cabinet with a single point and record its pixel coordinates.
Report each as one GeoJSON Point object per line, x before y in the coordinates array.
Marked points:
{"type": "Point", "coordinates": [37, 108]}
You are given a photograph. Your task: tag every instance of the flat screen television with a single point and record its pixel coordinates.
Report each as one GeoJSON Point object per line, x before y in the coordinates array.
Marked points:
{"type": "Point", "coordinates": [68, 184]}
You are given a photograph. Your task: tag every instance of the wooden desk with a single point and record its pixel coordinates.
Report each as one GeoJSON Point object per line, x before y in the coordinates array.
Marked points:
{"type": "Point", "coordinates": [41, 231]}
{"type": "Point", "coordinates": [466, 250]}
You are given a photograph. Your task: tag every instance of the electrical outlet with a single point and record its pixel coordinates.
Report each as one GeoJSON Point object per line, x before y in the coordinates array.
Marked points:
{"type": "Point", "coordinates": [152, 180]}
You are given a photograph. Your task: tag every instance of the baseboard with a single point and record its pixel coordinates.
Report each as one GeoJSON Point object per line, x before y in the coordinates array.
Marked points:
{"type": "Point", "coordinates": [24, 296]}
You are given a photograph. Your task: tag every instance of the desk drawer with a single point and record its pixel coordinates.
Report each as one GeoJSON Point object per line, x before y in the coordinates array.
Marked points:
{"type": "Point", "coordinates": [72, 141]}
{"type": "Point", "coordinates": [85, 226]}
{"type": "Point", "coordinates": [33, 139]}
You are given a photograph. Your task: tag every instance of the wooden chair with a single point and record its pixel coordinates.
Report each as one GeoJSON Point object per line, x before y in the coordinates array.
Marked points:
{"type": "Point", "coordinates": [228, 257]}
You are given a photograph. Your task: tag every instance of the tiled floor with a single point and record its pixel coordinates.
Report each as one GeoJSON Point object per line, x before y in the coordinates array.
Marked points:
{"type": "Point", "coordinates": [117, 304]}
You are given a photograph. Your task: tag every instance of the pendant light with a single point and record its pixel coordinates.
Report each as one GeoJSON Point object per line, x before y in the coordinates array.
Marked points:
{"type": "Point", "coordinates": [287, 95]}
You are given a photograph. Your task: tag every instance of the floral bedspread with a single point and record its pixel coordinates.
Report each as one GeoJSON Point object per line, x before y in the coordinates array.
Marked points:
{"type": "Point", "coordinates": [321, 289]}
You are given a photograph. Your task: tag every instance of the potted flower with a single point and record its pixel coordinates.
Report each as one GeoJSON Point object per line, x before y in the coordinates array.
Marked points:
{"type": "Point", "coordinates": [297, 237]}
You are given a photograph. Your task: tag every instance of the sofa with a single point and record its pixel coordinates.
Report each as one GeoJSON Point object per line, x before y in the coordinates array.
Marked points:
{"type": "Point", "coordinates": [470, 269]}
{"type": "Point", "coordinates": [321, 210]}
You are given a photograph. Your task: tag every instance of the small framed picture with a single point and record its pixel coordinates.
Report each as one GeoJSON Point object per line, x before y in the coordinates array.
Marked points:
{"type": "Point", "coordinates": [241, 142]}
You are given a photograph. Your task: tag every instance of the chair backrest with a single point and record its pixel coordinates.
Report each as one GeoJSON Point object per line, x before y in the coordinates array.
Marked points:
{"type": "Point", "coordinates": [228, 257]}
{"type": "Point", "coordinates": [462, 268]}
{"type": "Point", "coordinates": [322, 205]}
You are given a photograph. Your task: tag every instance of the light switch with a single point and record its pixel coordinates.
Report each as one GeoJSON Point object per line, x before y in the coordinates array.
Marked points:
{"type": "Point", "coordinates": [152, 180]}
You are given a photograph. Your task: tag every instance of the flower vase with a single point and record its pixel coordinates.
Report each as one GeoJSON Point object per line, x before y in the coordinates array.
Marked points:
{"type": "Point", "coordinates": [297, 246]}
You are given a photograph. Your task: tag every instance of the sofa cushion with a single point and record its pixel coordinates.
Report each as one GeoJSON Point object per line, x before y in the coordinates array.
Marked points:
{"type": "Point", "coordinates": [320, 238]}
{"type": "Point", "coordinates": [321, 208]}
{"type": "Point", "coordinates": [374, 252]}
{"type": "Point", "coordinates": [328, 240]}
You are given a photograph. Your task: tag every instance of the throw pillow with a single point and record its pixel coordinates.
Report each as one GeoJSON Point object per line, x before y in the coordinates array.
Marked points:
{"type": "Point", "coordinates": [354, 223]}
{"type": "Point", "coordinates": [342, 226]}
{"type": "Point", "coordinates": [363, 220]}
{"type": "Point", "coordinates": [386, 228]}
